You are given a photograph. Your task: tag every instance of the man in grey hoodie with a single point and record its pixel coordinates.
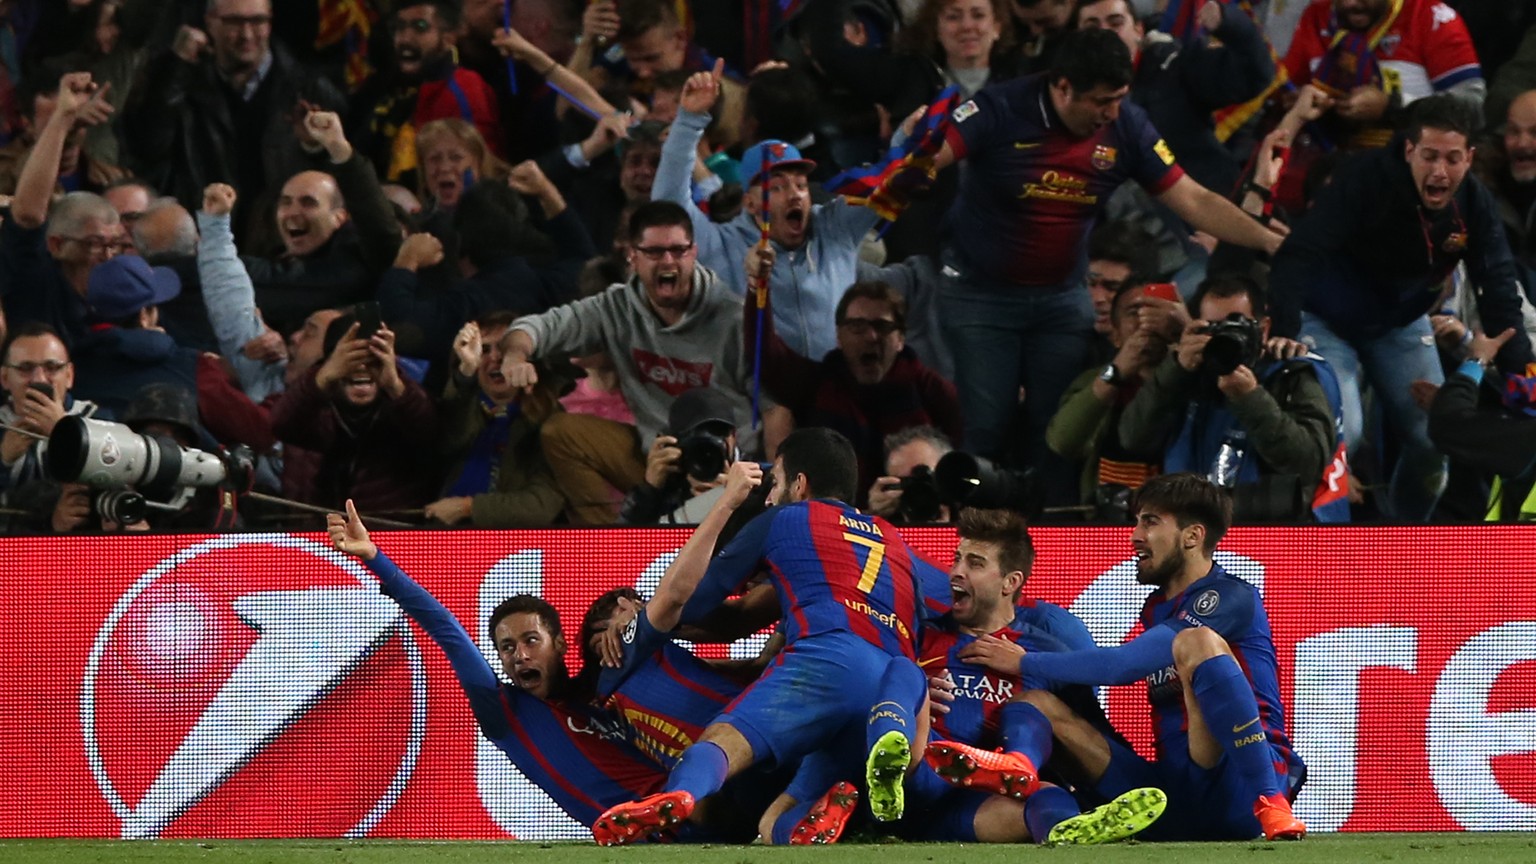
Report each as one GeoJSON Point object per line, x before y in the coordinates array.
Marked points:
{"type": "Point", "coordinates": [672, 327]}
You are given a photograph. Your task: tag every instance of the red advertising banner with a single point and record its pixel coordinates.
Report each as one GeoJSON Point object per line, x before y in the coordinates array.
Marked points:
{"type": "Point", "coordinates": [258, 685]}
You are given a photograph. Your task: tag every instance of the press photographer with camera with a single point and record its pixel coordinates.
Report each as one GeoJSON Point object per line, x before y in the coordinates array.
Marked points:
{"type": "Point", "coordinates": [1256, 415]}
{"type": "Point", "coordinates": [908, 492]}
{"type": "Point", "coordinates": [685, 468]}
{"type": "Point", "coordinates": [37, 376]}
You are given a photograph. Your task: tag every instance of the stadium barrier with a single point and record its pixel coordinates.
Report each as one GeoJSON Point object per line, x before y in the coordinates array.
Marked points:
{"type": "Point", "coordinates": [254, 685]}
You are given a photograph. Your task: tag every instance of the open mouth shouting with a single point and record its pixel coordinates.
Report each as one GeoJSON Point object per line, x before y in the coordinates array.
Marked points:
{"type": "Point", "coordinates": [360, 387]}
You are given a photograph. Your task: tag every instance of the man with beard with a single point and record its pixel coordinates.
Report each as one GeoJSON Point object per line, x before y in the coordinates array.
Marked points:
{"type": "Point", "coordinates": [975, 649]}
{"type": "Point", "coordinates": [1374, 57]}
{"type": "Point", "coordinates": [1365, 264]}
{"type": "Point", "coordinates": [1207, 656]}
{"type": "Point", "coordinates": [817, 246]}
{"type": "Point", "coordinates": [425, 84]}
{"type": "Point", "coordinates": [364, 424]}
{"type": "Point", "coordinates": [671, 327]}
{"type": "Point", "coordinates": [1509, 170]}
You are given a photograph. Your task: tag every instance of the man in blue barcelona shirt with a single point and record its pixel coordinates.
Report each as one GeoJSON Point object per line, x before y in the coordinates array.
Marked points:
{"type": "Point", "coordinates": [991, 565]}
{"type": "Point", "coordinates": [1223, 755]}
{"type": "Point", "coordinates": [850, 603]}
{"type": "Point", "coordinates": [1040, 156]}
{"type": "Point", "coordinates": [577, 754]}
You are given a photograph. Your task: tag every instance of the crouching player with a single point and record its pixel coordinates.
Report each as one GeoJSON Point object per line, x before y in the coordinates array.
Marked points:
{"type": "Point", "coordinates": [849, 602]}
{"type": "Point", "coordinates": [1223, 756]}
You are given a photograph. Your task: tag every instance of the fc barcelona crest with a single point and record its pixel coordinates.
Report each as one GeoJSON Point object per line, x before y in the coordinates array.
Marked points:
{"type": "Point", "coordinates": [1104, 157]}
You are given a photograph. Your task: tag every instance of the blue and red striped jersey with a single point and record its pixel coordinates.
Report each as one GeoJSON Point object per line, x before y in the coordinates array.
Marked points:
{"type": "Point", "coordinates": [1030, 190]}
{"type": "Point", "coordinates": [835, 570]}
{"type": "Point", "coordinates": [664, 693]}
{"type": "Point", "coordinates": [1233, 609]}
{"type": "Point", "coordinates": [578, 754]}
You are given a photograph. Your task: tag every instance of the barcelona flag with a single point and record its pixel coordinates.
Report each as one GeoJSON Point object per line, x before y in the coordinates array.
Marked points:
{"type": "Point", "coordinates": [884, 186]}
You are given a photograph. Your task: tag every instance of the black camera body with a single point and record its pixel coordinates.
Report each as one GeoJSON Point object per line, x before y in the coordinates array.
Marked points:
{"type": "Point", "coordinates": [920, 499]}
{"type": "Point", "coordinates": [704, 454]}
{"type": "Point", "coordinates": [1236, 341]}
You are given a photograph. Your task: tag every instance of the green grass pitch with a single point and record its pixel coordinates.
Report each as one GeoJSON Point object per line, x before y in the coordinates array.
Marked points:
{"type": "Point", "coordinates": [1318, 849]}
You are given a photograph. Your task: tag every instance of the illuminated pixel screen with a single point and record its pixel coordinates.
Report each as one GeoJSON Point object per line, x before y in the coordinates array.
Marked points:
{"type": "Point", "coordinates": [260, 686]}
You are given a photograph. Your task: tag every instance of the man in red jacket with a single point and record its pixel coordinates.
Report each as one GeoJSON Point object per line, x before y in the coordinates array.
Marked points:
{"type": "Point", "coordinates": [869, 387]}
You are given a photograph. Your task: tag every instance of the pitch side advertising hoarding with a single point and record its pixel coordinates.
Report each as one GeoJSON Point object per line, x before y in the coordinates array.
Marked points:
{"type": "Point", "coordinates": [260, 686]}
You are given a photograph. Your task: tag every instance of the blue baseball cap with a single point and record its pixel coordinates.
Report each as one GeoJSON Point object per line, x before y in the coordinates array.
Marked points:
{"type": "Point", "coordinates": [779, 154]}
{"type": "Point", "coordinates": [121, 286]}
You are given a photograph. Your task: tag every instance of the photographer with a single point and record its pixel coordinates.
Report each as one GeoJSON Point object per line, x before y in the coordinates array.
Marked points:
{"type": "Point", "coordinates": [37, 376]}
{"type": "Point", "coordinates": [685, 469]}
{"type": "Point", "coordinates": [1259, 417]}
{"type": "Point", "coordinates": [908, 492]}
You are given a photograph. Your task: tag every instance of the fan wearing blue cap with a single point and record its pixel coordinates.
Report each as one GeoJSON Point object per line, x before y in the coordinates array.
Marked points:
{"type": "Point", "coordinates": [816, 245]}
{"type": "Point", "coordinates": [125, 349]}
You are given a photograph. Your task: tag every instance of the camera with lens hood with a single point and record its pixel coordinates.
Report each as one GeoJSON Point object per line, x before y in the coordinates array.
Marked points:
{"type": "Point", "coordinates": [1235, 341]}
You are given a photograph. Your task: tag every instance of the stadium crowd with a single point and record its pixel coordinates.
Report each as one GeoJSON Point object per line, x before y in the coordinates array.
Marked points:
{"type": "Point", "coordinates": [516, 264]}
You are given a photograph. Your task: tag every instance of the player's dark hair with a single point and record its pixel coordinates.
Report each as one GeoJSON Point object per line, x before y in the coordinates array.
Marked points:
{"type": "Point", "coordinates": [1191, 500]}
{"type": "Point", "coordinates": [1224, 285]}
{"type": "Point", "coordinates": [1006, 528]}
{"type": "Point", "coordinates": [1092, 58]}
{"type": "Point", "coordinates": [653, 214]}
{"type": "Point", "coordinates": [602, 609]}
{"type": "Point", "coordinates": [826, 459]}
{"type": "Point", "coordinates": [520, 603]}
{"type": "Point", "coordinates": [880, 292]}
{"type": "Point", "coordinates": [1444, 112]}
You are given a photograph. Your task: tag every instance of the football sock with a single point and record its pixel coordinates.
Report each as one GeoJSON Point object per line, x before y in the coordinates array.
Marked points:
{"type": "Point", "coordinates": [784, 826]}
{"type": "Point", "coordinates": [700, 772]}
{"type": "Point", "coordinates": [1226, 700]}
{"type": "Point", "coordinates": [1047, 807]}
{"type": "Point", "coordinates": [1026, 731]}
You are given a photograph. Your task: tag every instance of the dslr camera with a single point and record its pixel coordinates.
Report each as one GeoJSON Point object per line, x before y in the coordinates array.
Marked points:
{"type": "Point", "coordinates": [1235, 341]}
{"type": "Point", "coordinates": [920, 498]}
{"type": "Point", "coordinates": [704, 454]}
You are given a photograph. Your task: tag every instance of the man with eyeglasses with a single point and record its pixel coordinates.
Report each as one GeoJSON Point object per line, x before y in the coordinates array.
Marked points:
{"type": "Point", "coordinates": [37, 377]}
{"type": "Point", "coordinates": [219, 106]}
{"type": "Point", "coordinates": [869, 387]}
{"type": "Point", "coordinates": [44, 270]}
{"type": "Point", "coordinates": [671, 327]}
{"type": "Point", "coordinates": [426, 84]}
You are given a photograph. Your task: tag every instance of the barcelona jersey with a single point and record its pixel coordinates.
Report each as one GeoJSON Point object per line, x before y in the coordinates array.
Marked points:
{"type": "Point", "coordinates": [1030, 190]}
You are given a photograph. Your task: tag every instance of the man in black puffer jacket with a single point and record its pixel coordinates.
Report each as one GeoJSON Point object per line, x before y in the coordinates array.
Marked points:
{"type": "Point", "coordinates": [1364, 266]}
